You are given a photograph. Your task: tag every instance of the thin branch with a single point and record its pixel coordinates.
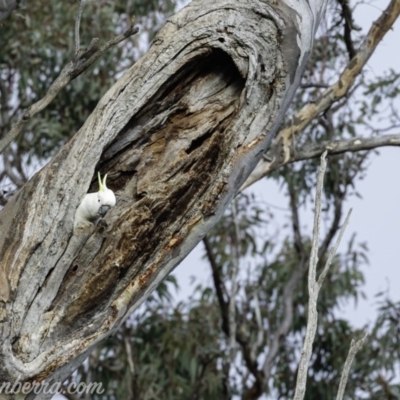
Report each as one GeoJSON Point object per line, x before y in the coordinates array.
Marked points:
{"type": "Point", "coordinates": [314, 286]}
{"type": "Point", "coordinates": [288, 292]}
{"type": "Point", "coordinates": [19, 163]}
{"type": "Point", "coordinates": [348, 27]}
{"type": "Point", "coordinates": [298, 240]}
{"type": "Point", "coordinates": [312, 290]}
{"type": "Point", "coordinates": [74, 68]}
{"type": "Point", "coordinates": [344, 146]}
{"type": "Point", "coordinates": [285, 324]}
{"type": "Point", "coordinates": [18, 181]}
{"type": "Point", "coordinates": [314, 86]}
{"type": "Point", "coordinates": [348, 180]}
{"type": "Point", "coordinates": [260, 328]}
{"type": "Point", "coordinates": [232, 297]}
{"type": "Point", "coordinates": [218, 284]}
{"type": "Point", "coordinates": [88, 377]}
{"type": "Point", "coordinates": [340, 187]}
{"type": "Point", "coordinates": [3, 200]}
{"type": "Point", "coordinates": [317, 223]}
{"type": "Point", "coordinates": [129, 357]}
{"type": "Point", "coordinates": [250, 361]}
{"type": "Point", "coordinates": [333, 250]}
{"type": "Point", "coordinates": [77, 27]}
{"type": "Point", "coordinates": [4, 99]}
{"type": "Point", "coordinates": [282, 147]}
{"type": "Point", "coordinates": [316, 149]}
{"type": "Point", "coordinates": [337, 217]}
{"type": "Point", "coordinates": [355, 347]}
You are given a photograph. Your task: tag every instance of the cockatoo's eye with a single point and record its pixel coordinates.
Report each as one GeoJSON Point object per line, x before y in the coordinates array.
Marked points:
{"type": "Point", "coordinates": [98, 199]}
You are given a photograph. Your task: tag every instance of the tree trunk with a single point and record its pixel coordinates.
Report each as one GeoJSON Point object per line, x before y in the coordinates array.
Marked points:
{"type": "Point", "coordinates": [178, 134]}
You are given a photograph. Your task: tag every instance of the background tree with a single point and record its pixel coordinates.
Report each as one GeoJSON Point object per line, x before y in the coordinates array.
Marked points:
{"type": "Point", "coordinates": [270, 279]}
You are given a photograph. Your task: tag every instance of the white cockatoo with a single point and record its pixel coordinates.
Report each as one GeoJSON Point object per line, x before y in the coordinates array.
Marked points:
{"type": "Point", "coordinates": [95, 205]}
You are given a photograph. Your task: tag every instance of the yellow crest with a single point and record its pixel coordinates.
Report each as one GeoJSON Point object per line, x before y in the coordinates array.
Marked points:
{"type": "Point", "coordinates": [102, 184]}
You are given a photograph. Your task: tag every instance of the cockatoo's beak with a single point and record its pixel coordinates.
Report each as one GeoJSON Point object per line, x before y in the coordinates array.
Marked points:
{"type": "Point", "coordinates": [103, 210]}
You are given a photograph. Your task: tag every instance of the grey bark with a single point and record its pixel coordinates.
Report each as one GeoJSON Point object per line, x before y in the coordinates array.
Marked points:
{"type": "Point", "coordinates": [178, 135]}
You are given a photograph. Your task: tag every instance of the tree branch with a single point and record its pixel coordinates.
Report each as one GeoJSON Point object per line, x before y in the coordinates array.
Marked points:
{"type": "Point", "coordinates": [333, 250]}
{"type": "Point", "coordinates": [314, 86]}
{"type": "Point", "coordinates": [250, 361]}
{"type": "Point", "coordinates": [18, 181]}
{"type": "Point", "coordinates": [77, 27]}
{"type": "Point", "coordinates": [232, 296]}
{"type": "Point", "coordinates": [218, 284]}
{"type": "Point", "coordinates": [281, 150]}
{"type": "Point", "coordinates": [79, 64]}
{"type": "Point", "coordinates": [342, 146]}
{"type": "Point", "coordinates": [297, 237]}
{"type": "Point", "coordinates": [285, 324]}
{"type": "Point", "coordinates": [260, 328]}
{"type": "Point", "coordinates": [316, 149]}
{"type": "Point", "coordinates": [355, 347]}
{"type": "Point", "coordinates": [314, 285]}
{"type": "Point", "coordinates": [334, 226]}
{"type": "Point", "coordinates": [4, 104]}
{"type": "Point", "coordinates": [348, 27]}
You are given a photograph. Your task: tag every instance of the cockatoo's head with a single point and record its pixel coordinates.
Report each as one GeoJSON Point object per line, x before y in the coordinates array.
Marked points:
{"type": "Point", "coordinates": [105, 197]}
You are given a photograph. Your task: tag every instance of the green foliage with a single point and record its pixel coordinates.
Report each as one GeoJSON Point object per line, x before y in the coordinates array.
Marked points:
{"type": "Point", "coordinates": [38, 41]}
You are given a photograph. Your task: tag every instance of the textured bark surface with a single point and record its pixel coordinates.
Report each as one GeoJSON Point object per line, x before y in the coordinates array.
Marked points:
{"type": "Point", "coordinates": [178, 135]}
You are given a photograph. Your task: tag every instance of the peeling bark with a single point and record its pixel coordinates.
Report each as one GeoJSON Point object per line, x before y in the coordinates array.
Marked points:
{"type": "Point", "coordinates": [178, 135]}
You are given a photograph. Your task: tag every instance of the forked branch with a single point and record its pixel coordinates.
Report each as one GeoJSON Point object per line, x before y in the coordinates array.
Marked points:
{"type": "Point", "coordinates": [314, 284]}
